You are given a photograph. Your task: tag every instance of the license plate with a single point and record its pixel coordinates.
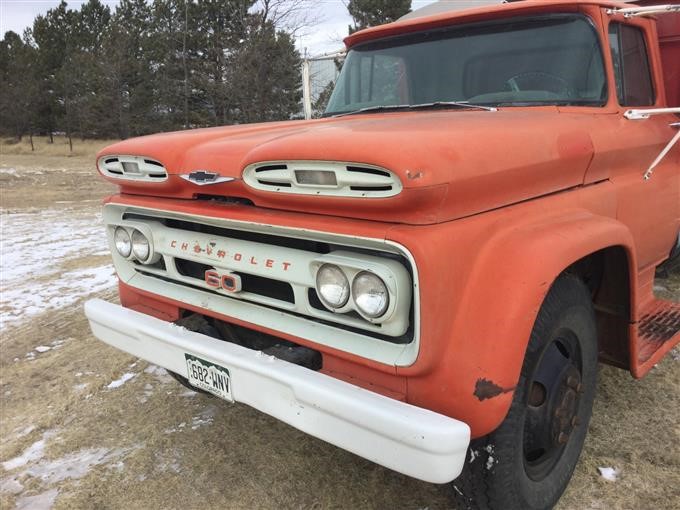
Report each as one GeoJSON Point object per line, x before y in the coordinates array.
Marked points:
{"type": "Point", "coordinates": [209, 377]}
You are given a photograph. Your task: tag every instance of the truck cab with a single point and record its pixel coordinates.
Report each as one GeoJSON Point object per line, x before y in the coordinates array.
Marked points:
{"type": "Point", "coordinates": [428, 275]}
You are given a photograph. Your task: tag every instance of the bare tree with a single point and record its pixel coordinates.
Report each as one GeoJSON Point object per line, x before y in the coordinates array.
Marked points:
{"type": "Point", "coordinates": [293, 16]}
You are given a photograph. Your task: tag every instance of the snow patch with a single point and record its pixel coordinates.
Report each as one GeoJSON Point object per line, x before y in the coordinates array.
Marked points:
{"type": "Point", "coordinates": [57, 344]}
{"type": "Point", "coordinates": [675, 354]}
{"type": "Point", "coordinates": [25, 431]}
{"type": "Point", "coordinates": [160, 373]}
{"type": "Point", "coordinates": [204, 418]}
{"type": "Point", "coordinates": [24, 171]}
{"type": "Point", "coordinates": [74, 465]}
{"type": "Point", "coordinates": [30, 454]}
{"type": "Point", "coordinates": [31, 248]}
{"type": "Point", "coordinates": [490, 461]}
{"type": "Point", "coordinates": [117, 466]}
{"type": "Point", "coordinates": [119, 382]}
{"type": "Point", "coordinates": [42, 348]}
{"type": "Point", "coordinates": [609, 473]}
{"type": "Point", "coordinates": [42, 501]}
{"type": "Point", "coordinates": [11, 486]}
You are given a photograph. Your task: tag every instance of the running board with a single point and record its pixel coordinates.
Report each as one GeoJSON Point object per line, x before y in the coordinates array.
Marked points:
{"type": "Point", "coordinates": [658, 331]}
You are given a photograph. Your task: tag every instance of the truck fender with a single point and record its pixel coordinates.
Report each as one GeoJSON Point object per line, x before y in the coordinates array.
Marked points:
{"type": "Point", "coordinates": [511, 276]}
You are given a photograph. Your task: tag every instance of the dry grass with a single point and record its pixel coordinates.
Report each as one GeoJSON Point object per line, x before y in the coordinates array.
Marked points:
{"type": "Point", "coordinates": [59, 149]}
{"type": "Point", "coordinates": [163, 449]}
{"type": "Point", "coordinates": [49, 175]}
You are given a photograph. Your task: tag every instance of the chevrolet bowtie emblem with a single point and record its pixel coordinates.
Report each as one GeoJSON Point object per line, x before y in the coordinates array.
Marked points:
{"type": "Point", "coordinates": [203, 177]}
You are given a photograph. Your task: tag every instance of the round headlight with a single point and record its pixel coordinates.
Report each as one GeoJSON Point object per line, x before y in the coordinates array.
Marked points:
{"type": "Point", "coordinates": [332, 286]}
{"type": "Point", "coordinates": [140, 246]}
{"type": "Point", "coordinates": [370, 295]}
{"type": "Point", "coordinates": [121, 239]}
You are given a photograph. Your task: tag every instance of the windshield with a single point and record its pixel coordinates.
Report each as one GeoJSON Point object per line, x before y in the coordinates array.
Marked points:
{"type": "Point", "coordinates": [545, 60]}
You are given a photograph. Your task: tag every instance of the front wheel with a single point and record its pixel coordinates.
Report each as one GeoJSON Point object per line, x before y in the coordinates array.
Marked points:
{"type": "Point", "coordinates": [527, 462]}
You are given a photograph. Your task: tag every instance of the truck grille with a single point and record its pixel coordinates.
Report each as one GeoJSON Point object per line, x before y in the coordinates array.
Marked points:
{"type": "Point", "coordinates": [275, 274]}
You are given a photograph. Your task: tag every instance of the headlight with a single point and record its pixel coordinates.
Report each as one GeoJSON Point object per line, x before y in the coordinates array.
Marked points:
{"type": "Point", "coordinates": [370, 295]}
{"type": "Point", "coordinates": [121, 239]}
{"type": "Point", "coordinates": [332, 286]}
{"type": "Point", "coordinates": [140, 246]}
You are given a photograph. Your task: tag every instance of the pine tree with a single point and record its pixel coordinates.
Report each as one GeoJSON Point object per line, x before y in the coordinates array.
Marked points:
{"type": "Point", "coordinates": [145, 68]}
{"type": "Point", "coordinates": [84, 64]}
{"type": "Point", "coordinates": [128, 75]}
{"type": "Point", "coordinates": [50, 34]}
{"type": "Point", "coordinates": [18, 82]}
{"type": "Point", "coordinates": [268, 84]}
{"type": "Point", "coordinates": [369, 13]}
{"type": "Point", "coordinates": [221, 38]}
{"type": "Point", "coordinates": [169, 56]}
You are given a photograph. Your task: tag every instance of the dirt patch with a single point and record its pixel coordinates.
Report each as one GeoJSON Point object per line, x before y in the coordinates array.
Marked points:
{"type": "Point", "coordinates": [87, 426]}
{"type": "Point", "coordinates": [51, 176]}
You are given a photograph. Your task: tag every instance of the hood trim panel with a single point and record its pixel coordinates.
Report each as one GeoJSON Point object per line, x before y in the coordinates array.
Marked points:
{"type": "Point", "coordinates": [323, 178]}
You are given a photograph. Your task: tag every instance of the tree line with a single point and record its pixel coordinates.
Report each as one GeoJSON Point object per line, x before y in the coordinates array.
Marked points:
{"type": "Point", "coordinates": [158, 66]}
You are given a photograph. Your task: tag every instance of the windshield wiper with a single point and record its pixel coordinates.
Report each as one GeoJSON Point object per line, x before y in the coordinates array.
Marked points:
{"type": "Point", "coordinates": [421, 106]}
{"type": "Point", "coordinates": [371, 109]}
{"type": "Point", "coordinates": [453, 104]}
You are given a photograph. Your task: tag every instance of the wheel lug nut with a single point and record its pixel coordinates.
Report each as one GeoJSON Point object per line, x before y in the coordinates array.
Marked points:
{"type": "Point", "coordinates": [572, 382]}
{"type": "Point", "coordinates": [563, 438]}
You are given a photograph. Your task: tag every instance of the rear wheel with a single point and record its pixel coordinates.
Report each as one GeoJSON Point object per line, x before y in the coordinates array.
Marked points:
{"type": "Point", "coordinates": [527, 462]}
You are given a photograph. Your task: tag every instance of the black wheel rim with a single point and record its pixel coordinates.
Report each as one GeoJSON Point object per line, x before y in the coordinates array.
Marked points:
{"type": "Point", "coordinates": [553, 403]}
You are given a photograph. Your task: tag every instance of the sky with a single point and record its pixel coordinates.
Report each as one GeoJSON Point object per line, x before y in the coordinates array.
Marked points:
{"type": "Point", "coordinates": [326, 35]}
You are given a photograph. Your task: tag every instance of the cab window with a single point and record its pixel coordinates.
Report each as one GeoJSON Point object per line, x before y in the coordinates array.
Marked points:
{"type": "Point", "coordinates": [631, 65]}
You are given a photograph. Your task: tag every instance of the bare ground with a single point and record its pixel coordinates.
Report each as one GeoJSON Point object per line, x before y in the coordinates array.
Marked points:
{"type": "Point", "coordinates": [71, 441]}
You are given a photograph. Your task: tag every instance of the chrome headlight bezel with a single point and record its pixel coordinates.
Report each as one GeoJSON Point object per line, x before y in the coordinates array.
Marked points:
{"type": "Point", "coordinates": [341, 281]}
{"type": "Point", "coordinates": [358, 296]}
{"type": "Point", "coordinates": [122, 236]}
{"type": "Point", "coordinates": [133, 232]}
{"type": "Point", "coordinates": [141, 246]}
{"type": "Point", "coordinates": [394, 315]}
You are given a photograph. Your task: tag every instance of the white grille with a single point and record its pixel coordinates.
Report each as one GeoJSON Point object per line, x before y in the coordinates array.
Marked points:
{"type": "Point", "coordinates": [324, 178]}
{"type": "Point", "coordinates": [137, 168]}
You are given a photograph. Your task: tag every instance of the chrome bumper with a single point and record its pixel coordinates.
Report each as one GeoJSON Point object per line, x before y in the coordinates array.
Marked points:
{"type": "Point", "coordinates": [399, 436]}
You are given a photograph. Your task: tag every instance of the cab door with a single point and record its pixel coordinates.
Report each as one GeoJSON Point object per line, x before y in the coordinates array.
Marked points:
{"type": "Point", "coordinates": [650, 208]}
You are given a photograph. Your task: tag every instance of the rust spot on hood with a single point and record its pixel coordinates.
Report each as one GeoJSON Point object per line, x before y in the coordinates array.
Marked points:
{"type": "Point", "coordinates": [485, 388]}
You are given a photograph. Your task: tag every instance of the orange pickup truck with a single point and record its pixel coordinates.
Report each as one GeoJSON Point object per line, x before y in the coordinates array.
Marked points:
{"type": "Point", "coordinates": [429, 275]}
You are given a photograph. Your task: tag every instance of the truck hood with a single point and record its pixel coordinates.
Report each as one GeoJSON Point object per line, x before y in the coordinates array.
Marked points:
{"type": "Point", "coordinates": [451, 163]}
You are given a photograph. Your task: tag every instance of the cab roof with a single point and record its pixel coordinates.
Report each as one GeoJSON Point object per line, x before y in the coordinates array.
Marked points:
{"type": "Point", "coordinates": [448, 12]}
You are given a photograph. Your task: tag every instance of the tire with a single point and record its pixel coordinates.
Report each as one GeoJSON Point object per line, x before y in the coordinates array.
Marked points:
{"type": "Point", "coordinates": [528, 461]}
